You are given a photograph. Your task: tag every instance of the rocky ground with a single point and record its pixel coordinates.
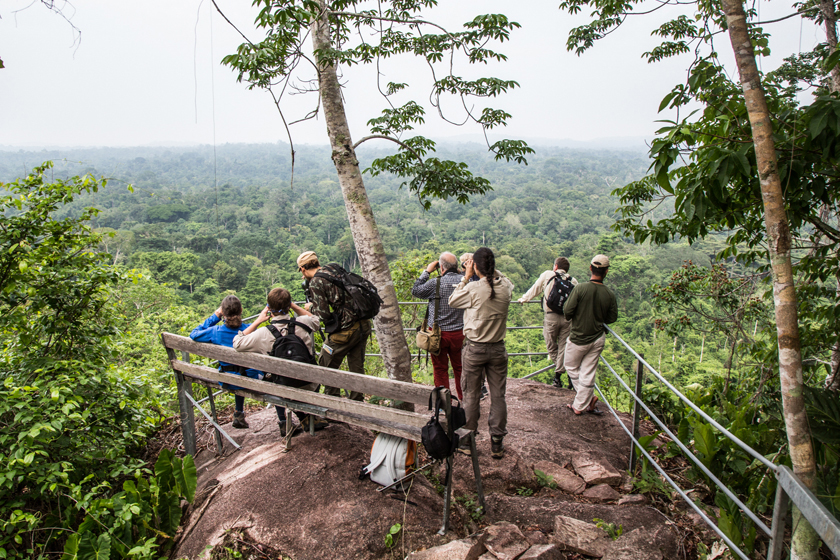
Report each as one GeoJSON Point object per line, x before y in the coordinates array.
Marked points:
{"type": "Point", "coordinates": [308, 502]}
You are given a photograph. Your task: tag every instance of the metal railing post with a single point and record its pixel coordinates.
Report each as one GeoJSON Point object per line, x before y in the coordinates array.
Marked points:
{"type": "Point", "coordinates": [637, 413]}
{"type": "Point", "coordinates": [777, 529]}
{"type": "Point", "coordinates": [187, 414]}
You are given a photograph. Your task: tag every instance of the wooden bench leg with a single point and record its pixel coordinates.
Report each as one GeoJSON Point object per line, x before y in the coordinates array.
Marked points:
{"type": "Point", "coordinates": [479, 487]}
{"type": "Point", "coordinates": [219, 447]}
{"type": "Point", "coordinates": [290, 428]}
{"type": "Point", "coordinates": [447, 495]}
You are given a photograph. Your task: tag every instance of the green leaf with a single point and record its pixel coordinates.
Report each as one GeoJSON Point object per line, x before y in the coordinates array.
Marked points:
{"type": "Point", "coordinates": [71, 547]}
{"type": "Point", "coordinates": [705, 442]}
{"type": "Point", "coordinates": [190, 477]}
{"type": "Point", "coordinates": [168, 512]}
{"type": "Point", "coordinates": [729, 528]}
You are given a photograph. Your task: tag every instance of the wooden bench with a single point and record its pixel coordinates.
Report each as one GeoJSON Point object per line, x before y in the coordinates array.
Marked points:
{"type": "Point", "coordinates": [378, 418]}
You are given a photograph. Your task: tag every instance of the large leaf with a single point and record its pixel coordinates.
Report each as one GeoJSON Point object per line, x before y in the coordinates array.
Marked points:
{"type": "Point", "coordinates": [163, 471]}
{"type": "Point", "coordinates": [705, 442]}
{"type": "Point", "coordinates": [190, 477]}
{"type": "Point", "coordinates": [168, 512]}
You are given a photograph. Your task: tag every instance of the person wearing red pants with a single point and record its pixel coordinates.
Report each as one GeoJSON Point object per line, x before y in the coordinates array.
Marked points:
{"type": "Point", "coordinates": [450, 320]}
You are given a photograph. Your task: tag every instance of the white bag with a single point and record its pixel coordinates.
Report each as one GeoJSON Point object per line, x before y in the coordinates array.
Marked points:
{"type": "Point", "coordinates": [391, 458]}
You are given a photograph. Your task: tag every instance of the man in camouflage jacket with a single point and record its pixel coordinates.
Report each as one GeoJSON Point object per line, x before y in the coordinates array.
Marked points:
{"type": "Point", "coordinates": [348, 335]}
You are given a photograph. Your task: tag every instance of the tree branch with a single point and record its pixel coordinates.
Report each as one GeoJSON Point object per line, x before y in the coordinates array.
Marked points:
{"type": "Point", "coordinates": [401, 143]}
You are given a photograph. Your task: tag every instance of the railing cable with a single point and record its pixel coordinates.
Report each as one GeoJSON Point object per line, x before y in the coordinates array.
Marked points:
{"type": "Point", "coordinates": [761, 525]}
{"type": "Point", "coordinates": [694, 407]}
{"type": "Point", "coordinates": [670, 481]}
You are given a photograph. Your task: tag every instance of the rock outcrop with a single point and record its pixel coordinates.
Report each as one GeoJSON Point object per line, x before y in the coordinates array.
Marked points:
{"type": "Point", "coordinates": [309, 503]}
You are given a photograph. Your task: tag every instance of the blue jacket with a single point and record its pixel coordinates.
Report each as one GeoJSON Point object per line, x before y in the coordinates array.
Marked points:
{"type": "Point", "coordinates": [214, 332]}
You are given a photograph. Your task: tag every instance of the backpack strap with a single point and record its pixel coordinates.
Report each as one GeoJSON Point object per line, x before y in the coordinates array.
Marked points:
{"type": "Point", "coordinates": [274, 330]}
{"type": "Point", "coordinates": [292, 324]}
{"type": "Point", "coordinates": [437, 302]}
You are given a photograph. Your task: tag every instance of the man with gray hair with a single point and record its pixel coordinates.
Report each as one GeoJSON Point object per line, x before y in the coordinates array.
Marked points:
{"type": "Point", "coordinates": [450, 320]}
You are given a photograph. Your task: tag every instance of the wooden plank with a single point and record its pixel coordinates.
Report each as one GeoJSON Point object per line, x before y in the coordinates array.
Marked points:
{"type": "Point", "coordinates": [337, 404]}
{"type": "Point", "coordinates": [396, 429]}
{"type": "Point", "coordinates": [369, 385]}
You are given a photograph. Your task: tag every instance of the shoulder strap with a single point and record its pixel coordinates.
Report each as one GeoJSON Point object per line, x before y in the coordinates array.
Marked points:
{"type": "Point", "coordinates": [378, 453]}
{"type": "Point", "coordinates": [273, 330]}
{"type": "Point", "coordinates": [292, 324]}
{"type": "Point", "coordinates": [437, 301]}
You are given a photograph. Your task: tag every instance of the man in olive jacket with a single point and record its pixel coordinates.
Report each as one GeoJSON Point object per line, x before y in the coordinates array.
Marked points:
{"type": "Point", "coordinates": [590, 306]}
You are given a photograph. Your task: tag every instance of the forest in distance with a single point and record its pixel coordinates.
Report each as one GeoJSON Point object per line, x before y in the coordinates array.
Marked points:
{"type": "Point", "coordinates": [178, 233]}
{"type": "Point", "coordinates": [201, 230]}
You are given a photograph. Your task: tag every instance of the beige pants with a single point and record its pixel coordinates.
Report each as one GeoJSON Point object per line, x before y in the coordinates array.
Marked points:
{"type": "Point", "coordinates": [480, 361]}
{"type": "Point", "coordinates": [581, 365]}
{"type": "Point", "coordinates": [555, 332]}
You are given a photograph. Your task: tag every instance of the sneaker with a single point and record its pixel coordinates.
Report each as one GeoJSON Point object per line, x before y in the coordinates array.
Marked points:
{"type": "Point", "coordinates": [284, 429]}
{"type": "Point", "coordinates": [497, 448]}
{"type": "Point", "coordinates": [239, 420]}
{"type": "Point", "coordinates": [484, 392]}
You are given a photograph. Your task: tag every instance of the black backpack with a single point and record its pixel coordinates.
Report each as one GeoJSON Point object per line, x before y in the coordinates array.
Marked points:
{"type": "Point", "coordinates": [289, 346]}
{"type": "Point", "coordinates": [364, 297]}
{"type": "Point", "coordinates": [441, 442]}
{"type": "Point", "coordinates": [559, 293]}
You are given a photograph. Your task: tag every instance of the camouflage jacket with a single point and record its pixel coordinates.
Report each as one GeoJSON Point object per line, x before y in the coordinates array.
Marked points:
{"type": "Point", "coordinates": [329, 303]}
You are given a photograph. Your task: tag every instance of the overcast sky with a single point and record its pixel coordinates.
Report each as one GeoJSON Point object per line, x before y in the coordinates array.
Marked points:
{"type": "Point", "coordinates": [149, 73]}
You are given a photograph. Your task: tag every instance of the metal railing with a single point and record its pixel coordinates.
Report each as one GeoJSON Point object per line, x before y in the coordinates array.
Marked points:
{"type": "Point", "coordinates": [789, 488]}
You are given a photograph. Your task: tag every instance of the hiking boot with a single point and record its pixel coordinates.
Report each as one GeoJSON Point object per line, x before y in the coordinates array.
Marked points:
{"type": "Point", "coordinates": [497, 448]}
{"type": "Point", "coordinates": [464, 447]}
{"type": "Point", "coordinates": [558, 382]}
{"type": "Point", "coordinates": [239, 420]}
{"type": "Point", "coordinates": [284, 429]}
{"type": "Point", "coordinates": [484, 393]}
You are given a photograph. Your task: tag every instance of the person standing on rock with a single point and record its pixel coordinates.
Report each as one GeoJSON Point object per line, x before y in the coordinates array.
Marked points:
{"type": "Point", "coordinates": [222, 334]}
{"type": "Point", "coordinates": [555, 326]}
{"type": "Point", "coordinates": [485, 304]}
{"type": "Point", "coordinates": [348, 335]}
{"type": "Point", "coordinates": [261, 340]}
{"type": "Point", "coordinates": [590, 306]}
{"type": "Point", "coordinates": [450, 321]}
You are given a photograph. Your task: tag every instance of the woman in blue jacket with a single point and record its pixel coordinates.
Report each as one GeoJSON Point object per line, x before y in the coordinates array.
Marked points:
{"type": "Point", "coordinates": [214, 332]}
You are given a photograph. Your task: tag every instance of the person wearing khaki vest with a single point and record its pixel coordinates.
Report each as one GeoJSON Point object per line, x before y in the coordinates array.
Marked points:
{"type": "Point", "coordinates": [485, 304]}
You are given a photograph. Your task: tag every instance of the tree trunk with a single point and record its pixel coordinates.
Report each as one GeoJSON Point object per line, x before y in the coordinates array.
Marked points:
{"type": "Point", "coordinates": [804, 543]}
{"type": "Point", "coordinates": [830, 21]}
{"type": "Point", "coordinates": [389, 328]}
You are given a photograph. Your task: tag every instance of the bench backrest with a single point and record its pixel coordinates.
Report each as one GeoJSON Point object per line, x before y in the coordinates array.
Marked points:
{"type": "Point", "coordinates": [369, 385]}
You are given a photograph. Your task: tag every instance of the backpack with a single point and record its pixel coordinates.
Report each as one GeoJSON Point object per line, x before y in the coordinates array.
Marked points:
{"type": "Point", "coordinates": [391, 458]}
{"type": "Point", "coordinates": [364, 297]}
{"type": "Point", "coordinates": [559, 293]}
{"type": "Point", "coordinates": [441, 442]}
{"type": "Point", "coordinates": [289, 346]}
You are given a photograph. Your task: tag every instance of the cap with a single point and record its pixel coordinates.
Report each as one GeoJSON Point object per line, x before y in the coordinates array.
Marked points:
{"type": "Point", "coordinates": [307, 257]}
{"type": "Point", "coordinates": [601, 261]}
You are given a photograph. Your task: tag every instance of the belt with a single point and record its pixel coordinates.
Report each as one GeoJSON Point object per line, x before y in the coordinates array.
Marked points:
{"type": "Point", "coordinates": [468, 341]}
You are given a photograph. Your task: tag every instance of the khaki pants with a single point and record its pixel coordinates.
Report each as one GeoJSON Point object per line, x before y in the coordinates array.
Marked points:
{"type": "Point", "coordinates": [350, 343]}
{"type": "Point", "coordinates": [480, 361]}
{"type": "Point", "coordinates": [581, 365]}
{"type": "Point", "coordinates": [555, 332]}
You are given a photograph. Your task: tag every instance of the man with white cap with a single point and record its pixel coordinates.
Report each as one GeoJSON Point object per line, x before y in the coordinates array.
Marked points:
{"type": "Point", "coordinates": [590, 306]}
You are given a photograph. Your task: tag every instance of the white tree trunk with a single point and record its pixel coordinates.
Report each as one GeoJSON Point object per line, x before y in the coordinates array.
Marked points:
{"type": "Point", "coordinates": [389, 328]}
